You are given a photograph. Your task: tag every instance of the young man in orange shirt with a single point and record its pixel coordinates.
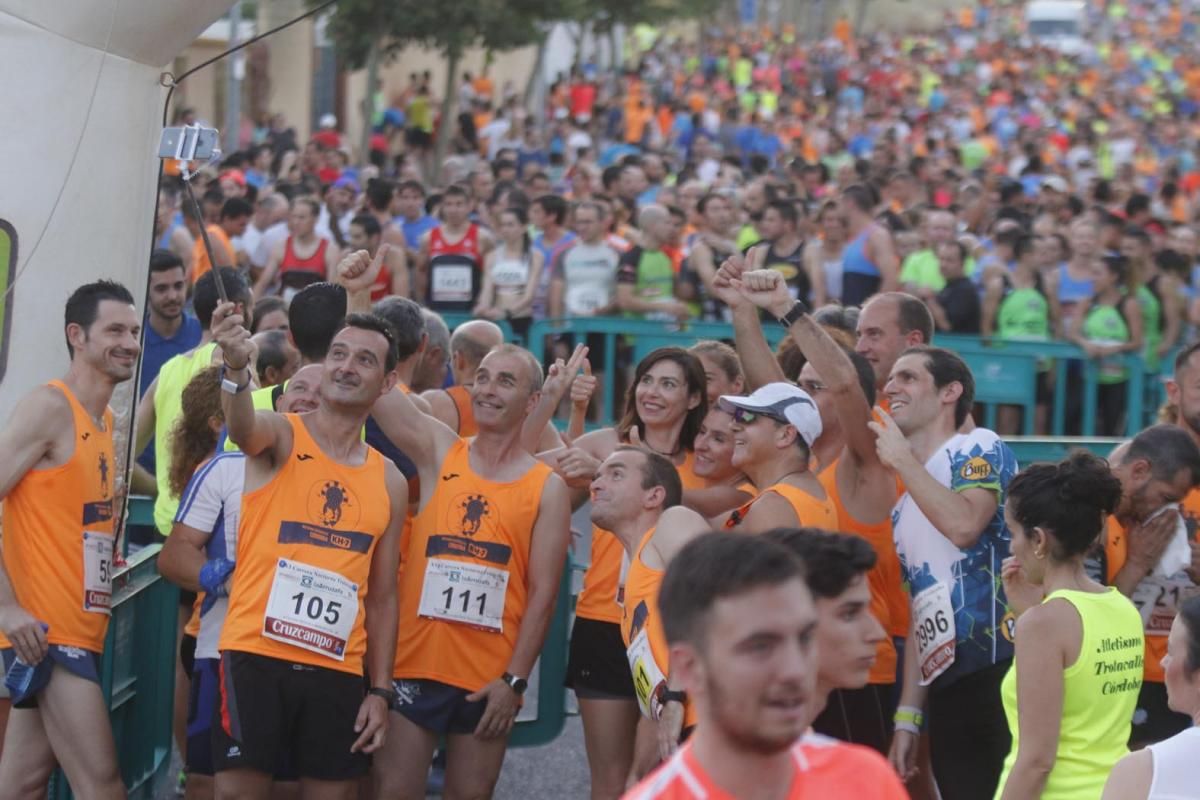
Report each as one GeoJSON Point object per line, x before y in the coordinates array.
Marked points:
{"type": "Point", "coordinates": [57, 481]}
{"type": "Point", "coordinates": [742, 628]}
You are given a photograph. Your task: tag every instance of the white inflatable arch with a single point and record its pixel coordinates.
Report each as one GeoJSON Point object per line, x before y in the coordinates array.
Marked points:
{"type": "Point", "coordinates": [80, 114]}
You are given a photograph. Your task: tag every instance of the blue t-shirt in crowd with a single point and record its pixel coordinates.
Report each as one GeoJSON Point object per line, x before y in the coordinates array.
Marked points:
{"type": "Point", "coordinates": [414, 230]}
{"type": "Point", "coordinates": [156, 351]}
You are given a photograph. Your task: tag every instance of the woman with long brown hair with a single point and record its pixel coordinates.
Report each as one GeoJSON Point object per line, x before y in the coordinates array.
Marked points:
{"type": "Point", "coordinates": [198, 429]}
{"type": "Point", "coordinates": [664, 409]}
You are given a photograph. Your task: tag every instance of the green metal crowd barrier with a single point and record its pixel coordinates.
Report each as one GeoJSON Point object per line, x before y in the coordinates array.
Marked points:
{"type": "Point", "coordinates": [1006, 373]}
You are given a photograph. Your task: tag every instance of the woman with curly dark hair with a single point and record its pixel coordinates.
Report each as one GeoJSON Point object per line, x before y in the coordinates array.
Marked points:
{"type": "Point", "coordinates": [1071, 692]}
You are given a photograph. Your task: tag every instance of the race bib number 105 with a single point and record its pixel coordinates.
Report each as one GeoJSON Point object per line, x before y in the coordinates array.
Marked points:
{"type": "Point", "coordinates": [311, 608]}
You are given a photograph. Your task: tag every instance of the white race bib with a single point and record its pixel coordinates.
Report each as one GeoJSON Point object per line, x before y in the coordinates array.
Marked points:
{"type": "Point", "coordinates": [466, 593]}
{"type": "Point", "coordinates": [1158, 599]}
{"type": "Point", "coordinates": [935, 635]}
{"type": "Point", "coordinates": [97, 572]}
{"type": "Point", "coordinates": [451, 283]}
{"type": "Point", "coordinates": [311, 608]}
{"type": "Point", "coordinates": [511, 275]}
{"type": "Point", "coordinates": [585, 299]}
{"type": "Point", "coordinates": [647, 677]}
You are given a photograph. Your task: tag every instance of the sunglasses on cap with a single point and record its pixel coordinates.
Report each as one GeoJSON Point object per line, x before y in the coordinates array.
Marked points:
{"type": "Point", "coordinates": [743, 417]}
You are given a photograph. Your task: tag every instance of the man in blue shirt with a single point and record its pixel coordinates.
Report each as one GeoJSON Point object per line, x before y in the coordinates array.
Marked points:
{"type": "Point", "coordinates": [410, 201]}
{"type": "Point", "coordinates": [170, 330]}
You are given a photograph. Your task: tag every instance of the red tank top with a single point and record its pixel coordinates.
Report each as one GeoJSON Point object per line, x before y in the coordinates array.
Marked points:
{"type": "Point", "coordinates": [454, 271]}
{"type": "Point", "coordinates": [468, 245]}
{"type": "Point", "coordinates": [314, 263]}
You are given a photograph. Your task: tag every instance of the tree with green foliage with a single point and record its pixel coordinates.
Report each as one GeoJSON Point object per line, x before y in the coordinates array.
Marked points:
{"type": "Point", "coordinates": [369, 32]}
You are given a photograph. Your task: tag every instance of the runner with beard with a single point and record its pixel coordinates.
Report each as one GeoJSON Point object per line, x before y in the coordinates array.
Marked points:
{"type": "Point", "coordinates": [1151, 555]}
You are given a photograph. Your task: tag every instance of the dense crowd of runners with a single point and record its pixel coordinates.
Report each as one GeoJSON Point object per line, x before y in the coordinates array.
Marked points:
{"type": "Point", "coordinates": [811, 573]}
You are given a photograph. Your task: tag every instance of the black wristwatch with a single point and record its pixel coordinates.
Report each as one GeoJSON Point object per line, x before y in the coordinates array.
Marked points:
{"type": "Point", "coordinates": [388, 695]}
{"type": "Point", "coordinates": [518, 685]}
{"type": "Point", "coordinates": [799, 309]}
{"type": "Point", "coordinates": [665, 695]}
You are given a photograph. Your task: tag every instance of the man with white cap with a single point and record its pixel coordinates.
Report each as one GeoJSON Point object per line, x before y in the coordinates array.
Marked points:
{"type": "Point", "coordinates": [773, 433]}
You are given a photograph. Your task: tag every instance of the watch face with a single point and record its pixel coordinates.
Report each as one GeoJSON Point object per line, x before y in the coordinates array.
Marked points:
{"type": "Point", "coordinates": [519, 685]}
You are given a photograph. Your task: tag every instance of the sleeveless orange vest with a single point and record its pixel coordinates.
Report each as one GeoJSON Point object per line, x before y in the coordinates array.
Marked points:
{"type": "Point", "coordinates": [464, 588]}
{"type": "Point", "coordinates": [601, 583]}
{"type": "Point", "coordinates": [639, 615]}
{"type": "Point", "coordinates": [811, 511]}
{"type": "Point", "coordinates": [466, 413]}
{"type": "Point", "coordinates": [58, 536]}
{"type": "Point", "coordinates": [305, 543]}
{"type": "Point", "coordinates": [889, 601]}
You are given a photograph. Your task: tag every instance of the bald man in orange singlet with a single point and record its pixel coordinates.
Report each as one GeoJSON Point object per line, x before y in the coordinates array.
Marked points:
{"type": "Point", "coordinates": [57, 482]}
{"type": "Point", "coordinates": [481, 577]}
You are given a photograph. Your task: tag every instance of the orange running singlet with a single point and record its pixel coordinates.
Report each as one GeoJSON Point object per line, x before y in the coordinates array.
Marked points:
{"type": "Point", "coordinates": [465, 583]}
{"type": "Point", "coordinates": [812, 512]}
{"type": "Point", "coordinates": [825, 768]}
{"type": "Point", "coordinates": [304, 551]}
{"type": "Point", "coordinates": [888, 596]}
{"type": "Point", "coordinates": [466, 413]}
{"type": "Point", "coordinates": [642, 631]}
{"type": "Point", "coordinates": [201, 263]}
{"type": "Point", "coordinates": [602, 582]}
{"type": "Point", "coordinates": [58, 536]}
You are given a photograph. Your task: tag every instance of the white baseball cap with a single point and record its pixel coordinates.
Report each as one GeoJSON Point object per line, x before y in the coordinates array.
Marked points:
{"type": "Point", "coordinates": [1056, 183]}
{"type": "Point", "coordinates": [785, 402]}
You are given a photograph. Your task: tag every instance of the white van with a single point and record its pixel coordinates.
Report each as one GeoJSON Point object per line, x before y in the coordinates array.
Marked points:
{"type": "Point", "coordinates": [1060, 24]}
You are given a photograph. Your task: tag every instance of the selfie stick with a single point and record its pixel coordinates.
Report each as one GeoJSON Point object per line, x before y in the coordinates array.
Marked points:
{"type": "Point", "coordinates": [186, 148]}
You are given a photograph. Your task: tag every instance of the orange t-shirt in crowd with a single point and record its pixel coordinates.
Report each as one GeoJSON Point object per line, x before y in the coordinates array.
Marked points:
{"type": "Point", "coordinates": [598, 599]}
{"type": "Point", "coordinates": [305, 543]}
{"type": "Point", "coordinates": [889, 600]}
{"type": "Point", "coordinates": [58, 536]}
{"type": "Point", "coordinates": [465, 585]}
{"type": "Point", "coordinates": [1166, 594]}
{"type": "Point", "coordinates": [842, 31]}
{"type": "Point", "coordinates": [813, 512]}
{"type": "Point", "coordinates": [466, 412]}
{"type": "Point", "coordinates": [642, 630]}
{"type": "Point", "coordinates": [200, 260]}
{"type": "Point", "coordinates": [824, 769]}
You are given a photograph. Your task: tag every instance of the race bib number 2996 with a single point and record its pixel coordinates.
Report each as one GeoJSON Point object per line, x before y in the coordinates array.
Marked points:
{"type": "Point", "coordinates": [933, 616]}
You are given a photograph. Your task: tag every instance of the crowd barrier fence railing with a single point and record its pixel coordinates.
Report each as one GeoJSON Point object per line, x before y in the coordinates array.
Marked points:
{"type": "Point", "coordinates": [1006, 372]}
